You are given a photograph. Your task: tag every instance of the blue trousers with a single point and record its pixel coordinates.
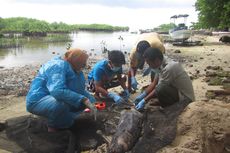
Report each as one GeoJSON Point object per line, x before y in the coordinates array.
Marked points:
{"type": "Point", "coordinates": [59, 114]}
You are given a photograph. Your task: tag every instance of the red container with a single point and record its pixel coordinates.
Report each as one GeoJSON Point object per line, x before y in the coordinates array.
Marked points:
{"type": "Point", "coordinates": [98, 105]}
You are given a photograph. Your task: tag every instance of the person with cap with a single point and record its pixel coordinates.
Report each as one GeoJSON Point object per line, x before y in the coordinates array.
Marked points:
{"type": "Point", "coordinates": [137, 61]}
{"type": "Point", "coordinates": [171, 83]}
{"type": "Point", "coordinates": [58, 91]}
{"type": "Point", "coordinates": [108, 74]}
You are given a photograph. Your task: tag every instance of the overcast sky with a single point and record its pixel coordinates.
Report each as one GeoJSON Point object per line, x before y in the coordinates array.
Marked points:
{"type": "Point", "coordinates": [137, 14]}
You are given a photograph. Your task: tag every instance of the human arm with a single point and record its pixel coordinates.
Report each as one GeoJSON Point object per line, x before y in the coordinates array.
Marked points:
{"type": "Point", "coordinates": [152, 86]}
{"type": "Point", "coordinates": [148, 92]}
{"type": "Point", "coordinates": [91, 106]}
{"type": "Point", "coordinates": [133, 80]}
{"type": "Point", "coordinates": [100, 89]}
{"type": "Point", "coordinates": [90, 97]}
{"type": "Point", "coordinates": [122, 81]}
{"type": "Point", "coordinates": [56, 84]}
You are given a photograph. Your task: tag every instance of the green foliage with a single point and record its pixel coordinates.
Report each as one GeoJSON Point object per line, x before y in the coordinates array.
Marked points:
{"type": "Point", "coordinates": [99, 27]}
{"type": "Point", "coordinates": [2, 25]}
{"type": "Point", "coordinates": [195, 25]}
{"type": "Point", "coordinates": [35, 27]}
{"type": "Point", "coordinates": [213, 13]}
{"type": "Point", "coordinates": [21, 24]}
{"type": "Point", "coordinates": [60, 27]}
{"type": "Point", "coordinates": [165, 27]}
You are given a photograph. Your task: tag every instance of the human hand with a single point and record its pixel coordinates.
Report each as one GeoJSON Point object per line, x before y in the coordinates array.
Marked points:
{"type": "Point", "coordinates": [134, 83]}
{"type": "Point", "coordinates": [140, 97]}
{"type": "Point", "coordinates": [116, 97]}
{"type": "Point", "coordinates": [140, 105]}
{"type": "Point", "coordinates": [92, 108]}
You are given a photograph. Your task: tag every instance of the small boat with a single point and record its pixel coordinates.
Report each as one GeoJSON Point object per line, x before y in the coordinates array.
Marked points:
{"type": "Point", "coordinates": [134, 32]}
{"type": "Point", "coordinates": [181, 31]}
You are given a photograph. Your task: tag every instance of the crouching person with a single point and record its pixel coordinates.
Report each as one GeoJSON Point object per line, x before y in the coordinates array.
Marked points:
{"type": "Point", "coordinates": [108, 74]}
{"type": "Point", "coordinates": [58, 91]}
{"type": "Point", "coordinates": [171, 83]}
{"type": "Point", "coordinates": [137, 61]}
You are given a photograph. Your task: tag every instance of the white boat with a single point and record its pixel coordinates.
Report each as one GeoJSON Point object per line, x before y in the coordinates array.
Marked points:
{"type": "Point", "coordinates": [180, 32]}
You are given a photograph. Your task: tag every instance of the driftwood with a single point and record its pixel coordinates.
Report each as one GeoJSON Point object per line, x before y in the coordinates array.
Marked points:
{"type": "Point", "coordinates": [128, 131]}
{"type": "Point", "coordinates": [31, 135]}
{"type": "Point", "coordinates": [220, 92]}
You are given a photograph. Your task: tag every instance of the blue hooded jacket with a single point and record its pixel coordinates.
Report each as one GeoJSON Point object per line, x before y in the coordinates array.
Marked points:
{"type": "Point", "coordinates": [58, 79]}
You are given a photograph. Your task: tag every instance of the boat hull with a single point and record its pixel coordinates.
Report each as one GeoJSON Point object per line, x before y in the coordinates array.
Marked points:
{"type": "Point", "coordinates": [180, 35]}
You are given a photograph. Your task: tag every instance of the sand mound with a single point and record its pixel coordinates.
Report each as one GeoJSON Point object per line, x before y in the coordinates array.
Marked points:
{"type": "Point", "coordinates": [202, 127]}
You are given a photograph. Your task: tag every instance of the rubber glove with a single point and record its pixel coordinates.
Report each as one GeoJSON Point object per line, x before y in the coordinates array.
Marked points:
{"type": "Point", "coordinates": [146, 71]}
{"type": "Point", "coordinates": [126, 94]}
{"type": "Point", "coordinates": [140, 97]}
{"type": "Point", "coordinates": [134, 83]}
{"type": "Point", "coordinates": [92, 107]}
{"type": "Point", "coordinates": [115, 97]}
{"type": "Point", "coordinates": [141, 104]}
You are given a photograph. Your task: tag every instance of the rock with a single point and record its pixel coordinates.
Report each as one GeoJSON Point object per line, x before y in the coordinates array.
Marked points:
{"type": "Point", "coordinates": [3, 92]}
{"type": "Point", "coordinates": [3, 125]}
{"type": "Point", "coordinates": [210, 74]}
{"type": "Point", "coordinates": [206, 79]}
{"type": "Point", "coordinates": [225, 80]}
{"type": "Point", "coordinates": [214, 68]}
{"type": "Point", "coordinates": [225, 39]}
{"type": "Point", "coordinates": [177, 51]}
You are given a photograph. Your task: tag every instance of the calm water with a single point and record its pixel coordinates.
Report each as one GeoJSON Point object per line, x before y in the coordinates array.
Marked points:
{"type": "Point", "coordinates": [35, 52]}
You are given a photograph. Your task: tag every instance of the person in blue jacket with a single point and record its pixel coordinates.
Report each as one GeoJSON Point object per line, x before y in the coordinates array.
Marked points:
{"type": "Point", "coordinates": [107, 74]}
{"type": "Point", "coordinates": [58, 91]}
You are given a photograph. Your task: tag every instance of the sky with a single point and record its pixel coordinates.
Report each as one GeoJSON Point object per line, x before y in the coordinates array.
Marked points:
{"type": "Point", "coordinates": [137, 14]}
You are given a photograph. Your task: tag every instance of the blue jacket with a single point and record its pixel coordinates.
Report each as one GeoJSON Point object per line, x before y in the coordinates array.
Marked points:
{"type": "Point", "coordinates": [58, 79]}
{"type": "Point", "coordinates": [102, 72]}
